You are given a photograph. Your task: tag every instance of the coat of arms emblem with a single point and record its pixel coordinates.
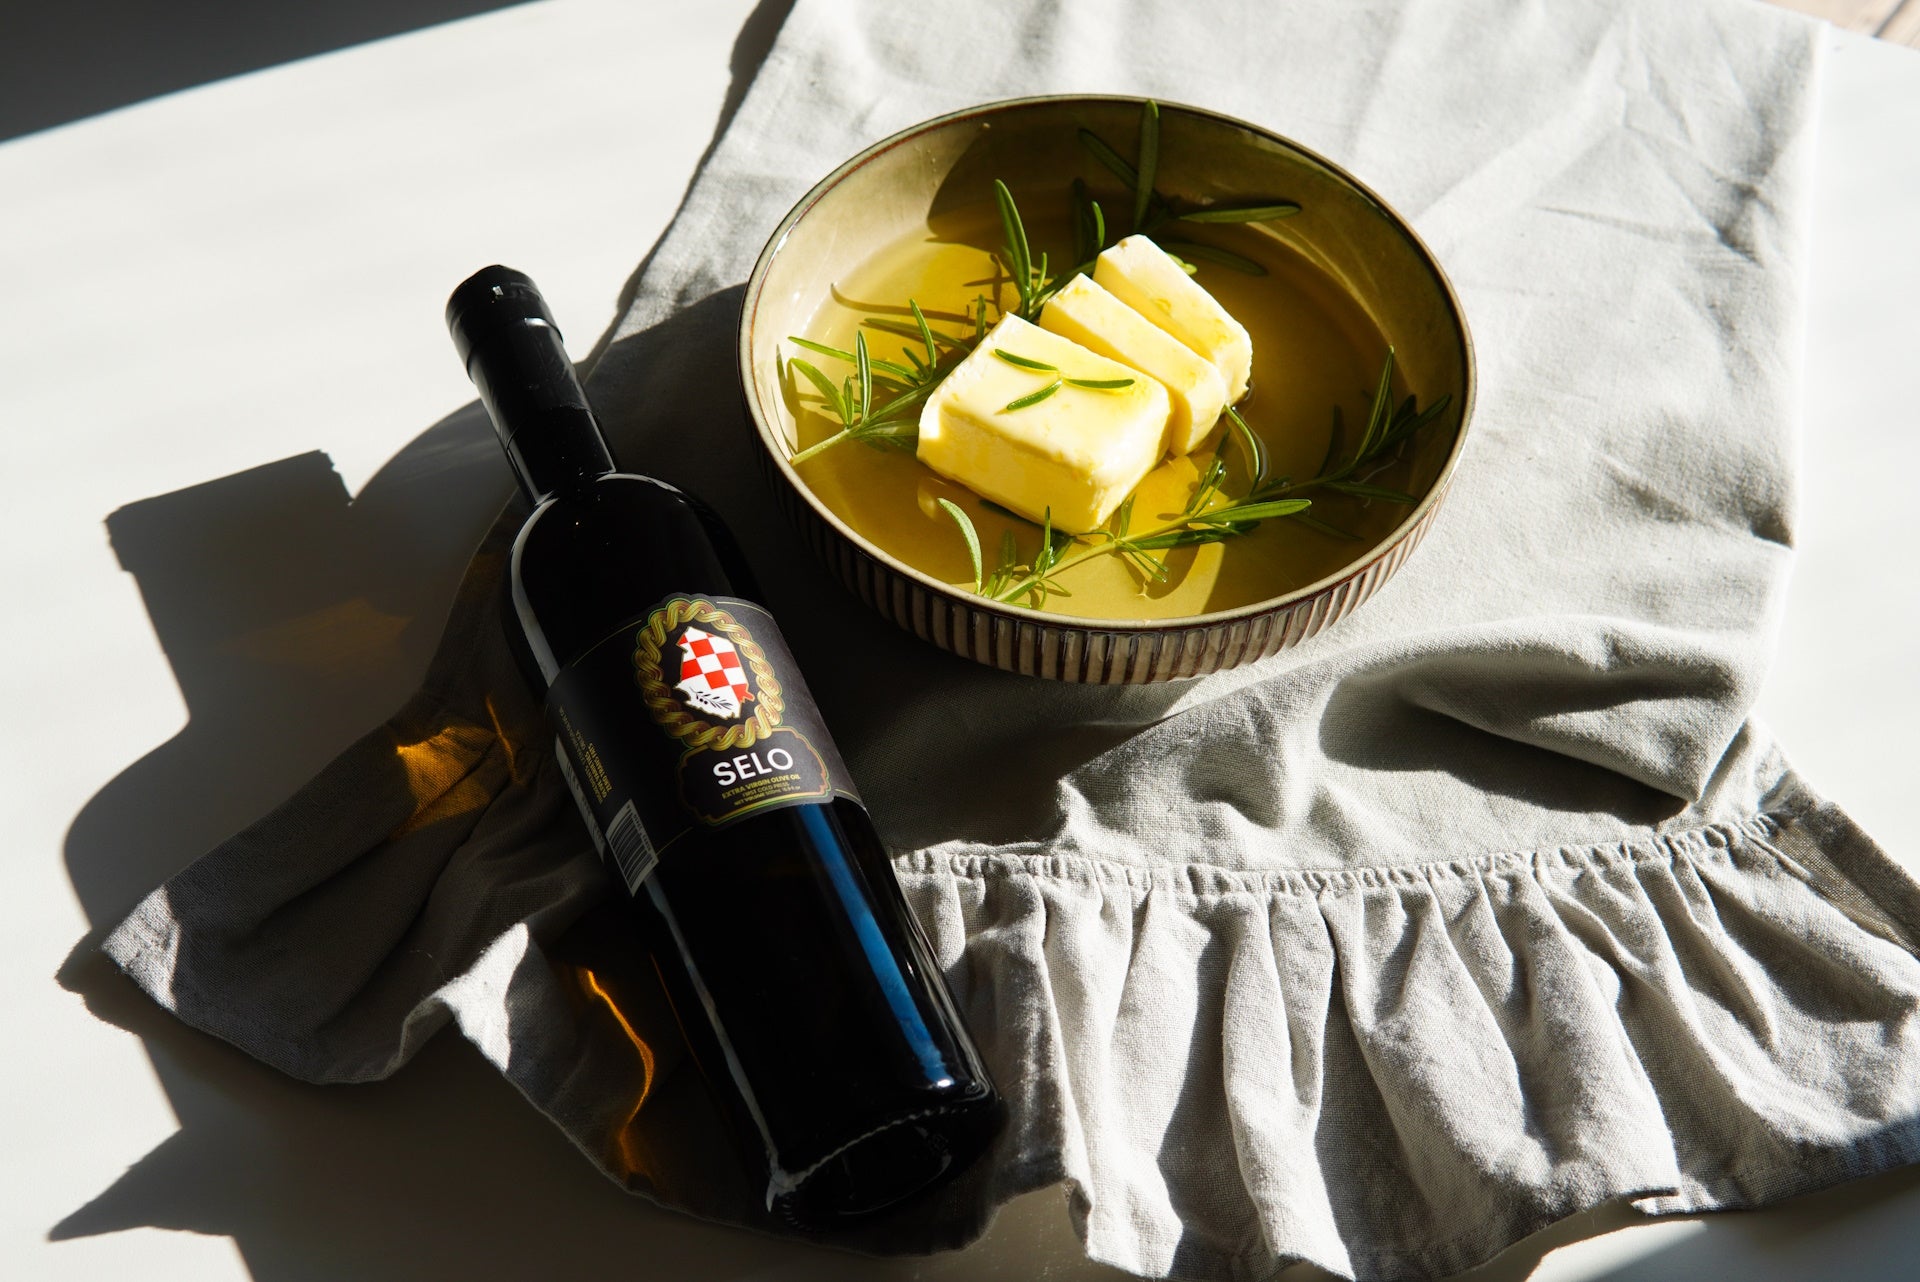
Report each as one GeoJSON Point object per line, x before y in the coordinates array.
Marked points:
{"type": "Point", "coordinates": [712, 678]}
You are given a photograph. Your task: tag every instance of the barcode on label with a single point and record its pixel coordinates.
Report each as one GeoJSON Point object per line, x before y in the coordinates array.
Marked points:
{"type": "Point", "coordinates": [632, 853]}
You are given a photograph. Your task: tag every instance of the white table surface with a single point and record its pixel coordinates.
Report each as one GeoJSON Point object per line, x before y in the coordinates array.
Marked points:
{"type": "Point", "coordinates": [236, 277]}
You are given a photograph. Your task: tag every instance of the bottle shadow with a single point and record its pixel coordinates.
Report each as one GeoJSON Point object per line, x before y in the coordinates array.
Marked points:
{"type": "Point", "coordinates": [295, 617]}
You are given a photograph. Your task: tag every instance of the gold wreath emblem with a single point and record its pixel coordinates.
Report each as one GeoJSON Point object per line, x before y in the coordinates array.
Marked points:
{"type": "Point", "coordinates": [673, 716]}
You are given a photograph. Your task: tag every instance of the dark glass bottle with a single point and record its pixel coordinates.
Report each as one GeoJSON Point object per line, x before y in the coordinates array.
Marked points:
{"type": "Point", "coordinates": [717, 797]}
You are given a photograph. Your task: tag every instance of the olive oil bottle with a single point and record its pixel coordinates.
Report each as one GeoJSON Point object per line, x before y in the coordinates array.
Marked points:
{"type": "Point", "coordinates": [717, 799]}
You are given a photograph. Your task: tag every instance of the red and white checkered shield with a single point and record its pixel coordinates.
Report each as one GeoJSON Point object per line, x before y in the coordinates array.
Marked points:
{"type": "Point", "coordinates": [711, 674]}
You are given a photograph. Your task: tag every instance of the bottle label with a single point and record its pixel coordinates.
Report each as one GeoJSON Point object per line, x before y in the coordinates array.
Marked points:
{"type": "Point", "coordinates": [692, 716]}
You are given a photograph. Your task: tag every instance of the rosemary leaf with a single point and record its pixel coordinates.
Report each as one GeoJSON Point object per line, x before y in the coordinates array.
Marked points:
{"type": "Point", "coordinates": [1113, 160]}
{"type": "Point", "coordinates": [1147, 566]}
{"type": "Point", "coordinates": [1241, 213]}
{"type": "Point", "coordinates": [899, 429]}
{"type": "Point", "coordinates": [904, 330]}
{"type": "Point", "coordinates": [1213, 254]}
{"type": "Point", "coordinates": [906, 376]}
{"type": "Point", "coordinates": [1048, 554]}
{"type": "Point", "coordinates": [1315, 523]}
{"type": "Point", "coordinates": [1361, 491]}
{"type": "Point", "coordinates": [1377, 416]}
{"type": "Point", "coordinates": [1208, 487]}
{"type": "Point", "coordinates": [1333, 444]}
{"type": "Point", "coordinates": [828, 391]}
{"type": "Point", "coordinates": [971, 535]}
{"type": "Point", "coordinates": [926, 333]}
{"type": "Point", "coordinates": [1258, 511]}
{"type": "Point", "coordinates": [1007, 570]}
{"type": "Point", "coordinates": [1019, 255]}
{"type": "Point", "coordinates": [1251, 447]}
{"type": "Point", "coordinates": [821, 446]}
{"type": "Point", "coordinates": [1032, 398]}
{"type": "Point", "coordinates": [1191, 536]}
{"type": "Point", "coordinates": [1100, 384]}
{"type": "Point", "coordinates": [863, 367]}
{"type": "Point", "coordinates": [1149, 162]}
{"type": "Point", "coordinates": [821, 348]}
{"type": "Point", "coordinates": [906, 400]}
{"type": "Point", "coordinates": [1025, 362]}
{"type": "Point", "coordinates": [1413, 423]}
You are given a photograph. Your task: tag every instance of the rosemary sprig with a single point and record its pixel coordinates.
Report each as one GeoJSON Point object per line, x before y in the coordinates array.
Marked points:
{"type": "Point", "coordinates": [1153, 210]}
{"type": "Point", "coordinates": [1038, 580]}
{"type": "Point", "coordinates": [896, 420]}
{"type": "Point", "coordinates": [1216, 524]}
{"type": "Point", "coordinates": [1386, 427]}
{"type": "Point", "coordinates": [1205, 519]}
{"type": "Point", "coordinates": [1059, 380]}
{"type": "Point", "coordinates": [1033, 580]}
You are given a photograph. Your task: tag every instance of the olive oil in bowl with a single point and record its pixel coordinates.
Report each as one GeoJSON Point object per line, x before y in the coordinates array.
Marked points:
{"type": "Point", "coordinates": [1314, 350]}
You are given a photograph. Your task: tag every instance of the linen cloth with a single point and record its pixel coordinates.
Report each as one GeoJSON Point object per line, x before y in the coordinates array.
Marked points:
{"type": "Point", "coordinates": [1487, 906]}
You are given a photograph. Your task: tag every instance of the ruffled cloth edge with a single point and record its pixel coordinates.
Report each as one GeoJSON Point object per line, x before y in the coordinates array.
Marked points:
{"type": "Point", "coordinates": [1396, 1073]}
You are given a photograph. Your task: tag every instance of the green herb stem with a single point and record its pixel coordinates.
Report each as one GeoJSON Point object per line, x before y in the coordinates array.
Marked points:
{"type": "Point", "coordinates": [1032, 398]}
{"type": "Point", "coordinates": [821, 446]}
{"type": "Point", "coordinates": [1210, 526]}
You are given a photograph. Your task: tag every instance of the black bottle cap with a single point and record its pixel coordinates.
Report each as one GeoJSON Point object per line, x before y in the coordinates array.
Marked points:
{"type": "Point", "coordinates": [491, 302]}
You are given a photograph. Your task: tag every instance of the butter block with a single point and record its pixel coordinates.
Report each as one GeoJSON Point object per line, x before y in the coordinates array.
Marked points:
{"type": "Point", "coordinates": [1140, 274]}
{"type": "Point", "coordinates": [1077, 453]}
{"type": "Point", "coordinates": [1092, 317]}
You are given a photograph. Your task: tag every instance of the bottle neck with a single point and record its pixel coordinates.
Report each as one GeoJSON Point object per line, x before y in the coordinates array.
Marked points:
{"type": "Point", "coordinates": [517, 361]}
{"type": "Point", "coordinates": [555, 452]}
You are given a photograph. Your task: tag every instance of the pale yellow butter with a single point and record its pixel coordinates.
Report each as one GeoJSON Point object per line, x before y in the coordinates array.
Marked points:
{"type": "Point", "coordinates": [1140, 274]}
{"type": "Point", "coordinates": [1076, 454]}
{"type": "Point", "coordinates": [1087, 313]}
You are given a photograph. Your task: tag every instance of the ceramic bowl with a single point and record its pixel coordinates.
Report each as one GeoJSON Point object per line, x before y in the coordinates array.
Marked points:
{"type": "Point", "coordinates": [893, 188]}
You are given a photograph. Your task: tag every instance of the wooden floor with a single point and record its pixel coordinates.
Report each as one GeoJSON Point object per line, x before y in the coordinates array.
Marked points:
{"type": "Point", "coordinates": [1894, 20]}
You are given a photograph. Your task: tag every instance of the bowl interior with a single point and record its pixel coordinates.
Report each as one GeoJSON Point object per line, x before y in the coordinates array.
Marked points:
{"type": "Point", "coordinates": [920, 181]}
